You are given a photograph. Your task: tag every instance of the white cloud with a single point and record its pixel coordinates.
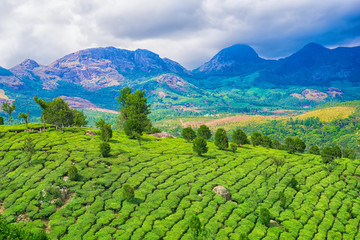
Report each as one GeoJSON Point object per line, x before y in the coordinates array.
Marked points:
{"type": "Point", "coordinates": [186, 31]}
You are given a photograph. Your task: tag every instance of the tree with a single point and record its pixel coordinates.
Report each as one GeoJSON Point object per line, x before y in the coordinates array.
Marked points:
{"type": "Point", "coordinates": [221, 139]}
{"type": "Point", "coordinates": [105, 129]}
{"type": "Point", "coordinates": [337, 151]}
{"type": "Point", "coordinates": [73, 173]}
{"type": "Point", "coordinates": [328, 154]}
{"type": "Point", "coordinates": [233, 147]}
{"type": "Point", "coordinates": [133, 129]}
{"type": "Point", "coordinates": [266, 141]}
{"type": "Point", "coordinates": [128, 192]}
{"type": "Point", "coordinates": [204, 132]}
{"type": "Point", "coordinates": [188, 134]}
{"type": "Point", "coordinates": [264, 216]}
{"type": "Point", "coordinates": [43, 105]}
{"type": "Point", "coordinates": [299, 145]}
{"type": "Point", "coordinates": [294, 184]}
{"type": "Point", "coordinates": [105, 149]}
{"type": "Point", "coordinates": [349, 153]}
{"type": "Point", "coordinates": [133, 106]}
{"type": "Point", "coordinates": [266, 176]}
{"type": "Point", "coordinates": [314, 149]}
{"type": "Point", "coordinates": [196, 226]}
{"type": "Point", "coordinates": [200, 146]}
{"type": "Point", "coordinates": [29, 146]}
{"type": "Point", "coordinates": [276, 144]}
{"type": "Point", "coordinates": [25, 117]}
{"type": "Point", "coordinates": [243, 236]}
{"type": "Point", "coordinates": [8, 109]}
{"type": "Point", "coordinates": [279, 162]}
{"type": "Point", "coordinates": [329, 167]}
{"type": "Point", "coordinates": [1, 121]}
{"type": "Point", "coordinates": [239, 137]}
{"type": "Point", "coordinates": [256, 139]}
{"type": "Point", "coordinates": [79, 118]}
{"type": "Point", "coordinates": [290, 145]}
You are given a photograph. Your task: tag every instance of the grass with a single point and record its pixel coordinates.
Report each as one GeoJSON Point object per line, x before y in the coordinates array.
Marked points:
{"type": "Point", "coordinates": [171, 185]}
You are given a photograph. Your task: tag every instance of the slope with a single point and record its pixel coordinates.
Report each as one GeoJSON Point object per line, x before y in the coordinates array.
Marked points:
{"type": "Point", "coordinates": [172, 184]}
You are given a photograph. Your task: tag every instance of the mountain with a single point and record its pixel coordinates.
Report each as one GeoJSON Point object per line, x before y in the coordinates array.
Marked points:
{"type": "Point", "coordinates": [234, 60]}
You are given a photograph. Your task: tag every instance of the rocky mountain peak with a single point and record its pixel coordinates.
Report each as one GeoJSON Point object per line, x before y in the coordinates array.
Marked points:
{"type": "Point", "coordinates": [29, 64]}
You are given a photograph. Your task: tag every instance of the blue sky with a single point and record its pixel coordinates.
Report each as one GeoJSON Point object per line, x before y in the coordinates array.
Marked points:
{"type": "Point", "coordinates": [187, 31]}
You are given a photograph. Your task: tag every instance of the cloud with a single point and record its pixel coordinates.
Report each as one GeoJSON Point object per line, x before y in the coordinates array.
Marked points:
{"type": "Point", "coordinates": [187, 31]}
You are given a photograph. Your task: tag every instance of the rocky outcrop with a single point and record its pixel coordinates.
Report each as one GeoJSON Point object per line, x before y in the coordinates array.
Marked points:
{"type": "Point", "coordinates": [90, 133]}
{"type": "Point", "coordinates": [222, 191]}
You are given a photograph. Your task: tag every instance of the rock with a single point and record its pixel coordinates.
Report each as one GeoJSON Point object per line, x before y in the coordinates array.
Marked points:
{"type": "Point", "coordinates": [162, 135]}
{"type": "Point", "coordinates": [222, 191]}
{"type": "Point", "coordinates": [274, 223]}
{"type": "Point", "coordinates": [65, 178]}
{"type": "Point", "coordinates": [90, 133]}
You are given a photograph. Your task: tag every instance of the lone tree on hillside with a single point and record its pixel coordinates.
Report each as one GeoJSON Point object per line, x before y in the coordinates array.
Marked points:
{"type": "Point", "coordinates": [221, 139]}
{"type": "Point", "coordinates": [196, 227]}
{"type": "Point", "coordinates": [105, 149]}
{"type": "Point", "coordinates": [266, 176]}
{"type": "Point", "coordinates": [279, 162]}
{"type": "Point", "coordinates": [204, 132]}
{"type": "Point", "coordinates": [264, 216]}
{"type": "Point", "coordinates": [200, 146]}
{"type": "Point", "coordinates": [330, 167]}
{"type": "Point", "coordinates": [239, 137]}
{"type": "Point", "coordinates": [256, 139]}
{"type": "Point", "coordinates": [73, 173]}
{"type": "Point", "coordinates": [188, 134]}
{"type": "Point", "coordinates": [105, 129]}
{"type": "Point", "coordinates": [134, 108]}
{"type": "Point", "coordinates": [8, 109]}
{"type": "Point", "coordinates": [25, 117]}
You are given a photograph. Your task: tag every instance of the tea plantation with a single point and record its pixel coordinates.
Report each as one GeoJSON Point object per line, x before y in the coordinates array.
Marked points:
{"type": "Point", "coordinates": [172, 184]}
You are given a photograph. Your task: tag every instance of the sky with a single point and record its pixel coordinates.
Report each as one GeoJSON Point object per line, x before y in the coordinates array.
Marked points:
{"type": "Point", "coordinates": [187, 31]}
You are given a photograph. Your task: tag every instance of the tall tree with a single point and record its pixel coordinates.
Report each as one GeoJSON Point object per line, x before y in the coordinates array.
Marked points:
{"type": "Point", "coordinates": [256, 139]}
{"type": "Point", "coordinates": [279, 162]}
{"type": "Point", "coordinates": [329, 167]}
{"type": "Point", "coordinates": [200, 146]}
{"type": "Point", "coordinates": [266, 176]}
{"type": "Point", "coordinates": [239, 137]}
{"type": "Point", "coordinates": [25, 117]}
{"type": "Point", "coordinates": [134, 106]}
{"type": "Point", "coordinates": [188, 134]}
{"type": "Point", "coordinates": [8, 109]}
{"type": "Point", "coordinates": [204, 132]}
{"type": "Point", "coordinates": [43, 105]}
{"type": "Point", "coordinates": [105, 129]}
{"type": "Point", "coordinates": [221, 139]}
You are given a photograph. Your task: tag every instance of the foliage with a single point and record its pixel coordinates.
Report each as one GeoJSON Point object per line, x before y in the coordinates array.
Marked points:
{"type": "Point", "coordinates": [58, 112]}
{"type": "Point", "coordinates": [25, 117]}
{"type": "Point", "coordinates": [8, 109]}
{"type": "Point", "coordinates": [256, 139]}
{"type": "Point", "coordinates": [264, 216]}
{"type": "Point", "coordinates": [233, 147]}
{"type": "Point", "coordinates": [239, 137]}
{"type": "Point", "coordinates": [221, 139]}
{"type": "Point", "coordinates": [1, 120]}
{"type": "Point", "coordinates": [299, 145]}
{"type": "Point", "coordinates": [314, 149]}
{"type": "Point", "coordinates": [349, 153]}
{"type": "Point", "coordinates": [105, 129]}
{"type": "Point", "coordinates": [105, 149]}
{"type": "Point", "coordinates": [188, 134]}
{"type": "Point", "coordinates": [282, 199]}
{"type": "Point", "coordinates": [266, 141]}
{"type": "Point", "coordinates": [11, 232]}
{"type": "Point", "coordinates": [29, 146]}
{"type": "Point", "coordinates": [133, 129]}
{"type": "Point", "coordinates": [134, 106]}
{"type": "Point", "coordinates": [290, 145]}
{"type": "Point", "coordinates": [200, 146]}
{"type": "Point", "coordinates": [243, 236]}
{"type": "Point", "coordinates": [328, 154]}
{"type": "Point", "coordinates": [276, 144]}
{"type": "Point", "coordinates": [196, 226]}
{"type": "Point", "coordinates": [294, 184]}
{"type": "Point", "coordinates": [337, 151]}
{"type": "Point", "coordinates": [73, 173]}
{"type": "Point", "coordinates": [204, 132]}
{"type": "Point", "coordinates": [279, 162]}
{"type": "Point", "coordinates": [128, 192]}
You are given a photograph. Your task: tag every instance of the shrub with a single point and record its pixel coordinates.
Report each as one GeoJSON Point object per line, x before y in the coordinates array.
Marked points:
{"type": "Point", "coordinates": [314, 149]}
{"type": "Point", "coordinates": [73, 173]}
{"type": "Point", "coordinates": [188, 134]}
{"type": "Point", "coordinates": [299, 145]}
{"type": "Point", "coordinates": [204, 132]}
{"type": "Point", "coordinates": [29, 146]}
{"type": "Point", "coordinates": [1, 120]}
{"type": "Point", "coordinates": [328, 154]}
{"type": "Point", "coordinates": [221, 139]}
{"type": "Point", "coordinates": [233, 147]}
{"type": "Point", "coordinates": [264, 216]}
{"type": "Point", "coordinates": [200, 146]}
{"type": "Point", "coordinates": [290, 145]}
{"type": "Point", "coordinates": [128, 192]}
{"type": "Point", "coordinates": [105, 128]}
{"type": "Point", "coordinates": [276, 144]}
{"type": "Point", "coordinates": [244, 236]}
{"type": "Point", "coordinates": [155, 130]}
{"type": "Point", "coordinates": [105, 149]}
{"type": "Point", "coordinates": [196, 226]}
{"type": "Point", "coordinates": [256, 139]}
{"type": "Point", "coordinates": [337, 151]}
{"type": "Point", "coordinates": [8, 231]}
{"type": "Point", "coordinates": [239, 137]}
{"type": "Point", "coordinates": [294, 184]}
{"type": "Point", "coordinates": [133, 128]}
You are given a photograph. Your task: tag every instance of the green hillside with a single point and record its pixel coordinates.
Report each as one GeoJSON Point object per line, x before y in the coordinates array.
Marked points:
{"type": "Point", "coordinates": [172, 184]}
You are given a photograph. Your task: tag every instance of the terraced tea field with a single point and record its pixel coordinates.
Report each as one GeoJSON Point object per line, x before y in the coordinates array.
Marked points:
{"type": "Point", "coordinates": [171, 185]}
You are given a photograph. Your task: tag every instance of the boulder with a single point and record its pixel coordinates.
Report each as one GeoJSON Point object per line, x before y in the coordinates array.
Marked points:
{"type": "Point", "coordinates": [222, 191]}
{"type": "Point", "coordinates": [162, 135]}
{"type": "Point", "coordinates": [90, 133]}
